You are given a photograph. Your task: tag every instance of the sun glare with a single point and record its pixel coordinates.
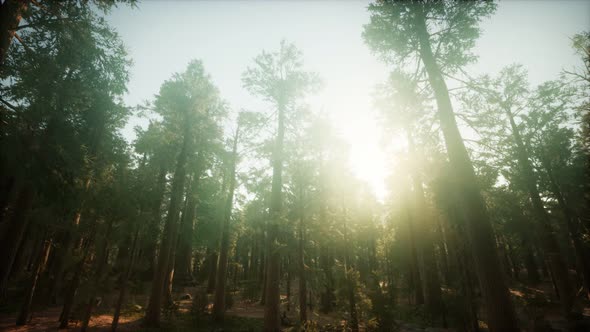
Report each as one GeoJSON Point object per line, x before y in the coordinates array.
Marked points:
{"type": "Point", "coordinates": [367, 158]}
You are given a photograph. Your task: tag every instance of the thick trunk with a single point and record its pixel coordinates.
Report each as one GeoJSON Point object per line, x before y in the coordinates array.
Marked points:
{"type": "Point", "coordinates": [152, 317]}
{"type": "Point", "coordinates": [183, 260]}
{"type": "Point", "coordinates": [11, 12]}
{"type": "Point", "coordinates": [149, 251]}
{"type": "Point", "coordinates": [219, 304]}
{"type": "Point", "coordinates": [501, 314]}
{"type": "Point", "coordinates": [272, 321]}
{"type": "Point", "coordinates": [13, 237]}
{"type": "Point", "coordinates": [212, 269]}
{"type": "Point", "coordinates": [550, 246]}
{"type": "Point", "coordinates": [25, 311]}
{"type": "Point", "coordinates": [428, 267]}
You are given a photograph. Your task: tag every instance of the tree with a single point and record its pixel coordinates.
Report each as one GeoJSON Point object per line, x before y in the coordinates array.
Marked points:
{"type": "Point", "coordinates": [279, 79]}
{"type": "Point", "coordinates": [183, 102]}
{"type": "Point", "coordinates": [439, 36]}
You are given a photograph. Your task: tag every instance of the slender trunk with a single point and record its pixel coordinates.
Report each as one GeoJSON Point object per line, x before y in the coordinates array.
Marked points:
{"type": "Point", "coordinates": [531, 265]}
{"type": "Point", "coordinates": [574, 231]}
{"type": "Point", "coordinates": [288, 281]}
{"type": "Point", "coordinates": [169, 280]}
{"type": "Point", "coordinates": [11, 12]}
{"type": "Point", "coordinates": [550, 246]}
{"type": "Point", "coordinates": [301, 261]}
{"type": "Point", "coordinates": [263, 274]}
{"type": "Point", "coordinates": [183, 259]}
{"type": "Point", "coordinates": [100, 263]}
{"type": "Point", "coordinates": [7, 186]}
{"type": "Point", "coordinates": [124, 280]}
{"type": "Point", "coordinates": [152, 317]}
{"type": "Point", "coordinates": [350, 284]}
{"type": "Point", "coordinates": [25, 311]}
{"type": "Point", "coordinates": [73, 284]}
{"type": "Point", "coordinates": [272, 321]}
{"type": "Point", "coordinates": [415, 279]}
{"type": "Point", "coordinates": [219, 304]}
{"type": "Point", "coordinates": [501, 314]}
{"type": "Point", "coordinates": [13, 237]}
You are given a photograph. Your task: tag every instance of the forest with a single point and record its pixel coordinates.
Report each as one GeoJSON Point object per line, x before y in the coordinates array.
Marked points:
{"type": "Point", "coordinates": [187, 212]}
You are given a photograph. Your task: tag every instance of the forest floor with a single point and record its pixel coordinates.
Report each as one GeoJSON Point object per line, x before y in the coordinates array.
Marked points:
{"type": "Point", "coordinates": [246, 315]}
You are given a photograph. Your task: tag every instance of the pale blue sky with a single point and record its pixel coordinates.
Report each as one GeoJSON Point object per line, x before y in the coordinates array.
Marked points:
{"type": "Point", "coordinates": [163, 36]}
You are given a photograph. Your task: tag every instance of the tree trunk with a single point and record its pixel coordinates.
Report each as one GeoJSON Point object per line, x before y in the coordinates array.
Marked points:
{"type": "Point", "coordinates": [13, 237]}
{"type": "Point", "coordinates": [350, 285]}
{"type": "Point", "coordinates": [550, 246]}
{"type": "Point", "coordinates": [572, 226]}
{"type": "Point", "coordinates": [100, 263]}
{"type": "Point", "coordinates": [149, 250]}
{"type": "Point", "coordinates": [183, 259]}
{"type": "Point", "coordinates": [212, 269]}
{"type": "Point", "coordinates": [25, 311]}
{"type": "Point", "coordinates": [501, 314]}
{"type": "Point", "coordinates": [124, 280]}
{"type": "Point", "coordinates": [11, 12]}
{"type": "Point", "coordinates": [152, 317]}
{"type": "Point", "coordinates": [428, 267]}
{"type": "Point", "coordinates": [272, 322]}
{"type": "Point", "coordinates": [73, 284]}
{"type": "Point", "coordinates": [219, 304]}
{"type": "Point", "coordinates": [415, 279]}
{"type": "Point", "coordinates": [301, 261]}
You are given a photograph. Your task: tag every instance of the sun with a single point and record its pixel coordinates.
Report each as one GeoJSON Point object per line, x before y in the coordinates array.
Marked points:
{"type": "Point", "coordinates": [367, 158]}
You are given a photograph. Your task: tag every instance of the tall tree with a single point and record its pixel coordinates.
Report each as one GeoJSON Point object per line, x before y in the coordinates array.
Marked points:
{"type": "Point", "coordinates": [278, 78]}
{"type": "Point", "coordinates": [439, 35]}
{"type": "Point", "coordinates": [183, 102]}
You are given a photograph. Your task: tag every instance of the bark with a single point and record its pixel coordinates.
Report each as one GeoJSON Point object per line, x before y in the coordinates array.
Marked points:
{"type": "Point", "coordinates": [415, 279]}
{"type": "Point", "coordinates": [301, 264]}
{"type": "Point", "coordinates": [288, 281]}
{"type": "Point", "coordinates": [500, 311]}
{"type": "Point", "coordinates": [11, 12]}
{"type": "Point", "coordinates": [25, 311]}
{"type": "Point", "coordinates": [350, 285]}
{"type": "Point", "coordinates": [124, 280]}
{"type": "Point", "coordinates": [183, 263]}
{"type": "Point", "coordinates": [212, 269]}
{"type": "Point", "coordinates": [573, 228]}
{"type": "Point", "coordinates": [13, 237]}
{"type": "Point", "coordinates": [219, 304]}
{"type": "Point", "coordinates": [152, 317]}
{"type": "Point", "coordinates": [272, 321]}
{"type": "Point", "coordinates": [100, 263]}
{"type": "Point", "coordinates": [531, 265]}
{"type": "Point", "coordinates": [549, 242]}
{"type": "Point", "coordinates": [72, 287]}
{"type": "Point", "coordinates": [7, 185]}
{"type": "Point", "coordinates": [150, 249]}
{"type": "Point", "coordinates": [428, 268]}
{"type": "Point", "coordinates": [170, 272]}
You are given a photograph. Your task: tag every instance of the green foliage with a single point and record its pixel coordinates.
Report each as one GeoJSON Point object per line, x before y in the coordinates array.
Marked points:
{"type": "Point", "coordinates": [452, 26]}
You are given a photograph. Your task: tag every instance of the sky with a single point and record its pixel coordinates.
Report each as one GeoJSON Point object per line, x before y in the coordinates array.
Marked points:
{"type": "Point", "coordinates": [163, 36]}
